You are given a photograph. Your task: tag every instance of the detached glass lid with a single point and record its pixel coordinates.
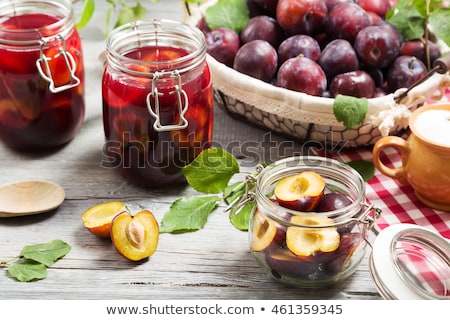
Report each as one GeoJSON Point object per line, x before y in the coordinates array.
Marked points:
{"type": "Point", "coordinates": [411, 262]}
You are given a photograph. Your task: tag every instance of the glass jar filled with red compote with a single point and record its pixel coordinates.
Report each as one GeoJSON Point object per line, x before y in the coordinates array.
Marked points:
{"type": "Point", "coordinates": [41, 74]}
{"type": "Point", "coordinates": [157, 101]}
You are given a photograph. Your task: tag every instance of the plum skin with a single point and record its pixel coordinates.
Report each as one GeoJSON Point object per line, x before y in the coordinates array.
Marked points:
{"type": "Point", "coordinates": [303, 75]}
{"type": "Point", "coordinates": [222, 44]}
{"type": "Point", "coordinates": [258, 59]}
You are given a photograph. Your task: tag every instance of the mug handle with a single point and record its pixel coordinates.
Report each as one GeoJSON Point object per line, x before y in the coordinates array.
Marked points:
{"type": "Point", "coordinates": [390, 141]}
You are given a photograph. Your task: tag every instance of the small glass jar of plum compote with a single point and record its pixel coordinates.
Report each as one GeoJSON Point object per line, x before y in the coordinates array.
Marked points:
{"type": "Point", "coordinates": [311, 221]}
{"type": "Point", "coordinates": [157, 101]}
{"type": "Point", "coordinates": [41, 74]}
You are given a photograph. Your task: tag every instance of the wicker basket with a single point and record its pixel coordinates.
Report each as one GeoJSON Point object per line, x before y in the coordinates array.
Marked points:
{"type": "Point", "coordinates": [309, 118]}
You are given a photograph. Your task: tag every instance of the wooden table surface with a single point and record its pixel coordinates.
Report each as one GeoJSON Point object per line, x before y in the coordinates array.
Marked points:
{"type": "Point", "coordinates": [213, 263]}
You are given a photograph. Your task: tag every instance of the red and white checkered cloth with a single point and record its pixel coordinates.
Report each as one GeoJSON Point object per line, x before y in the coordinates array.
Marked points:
{"type": "Point", "coordinates": [397, 201]}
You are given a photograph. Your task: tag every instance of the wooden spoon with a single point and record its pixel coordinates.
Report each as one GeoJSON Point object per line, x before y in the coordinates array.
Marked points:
{"type": "Point", "coordinates": [29, 197]}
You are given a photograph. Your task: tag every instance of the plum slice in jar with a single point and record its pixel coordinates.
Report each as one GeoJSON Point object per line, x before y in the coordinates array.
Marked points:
{"type": "Point", "coordinates": [300, 192]}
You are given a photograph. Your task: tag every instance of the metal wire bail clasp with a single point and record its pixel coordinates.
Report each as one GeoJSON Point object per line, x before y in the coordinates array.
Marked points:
{"type": "Point", "coordinates": [182, 102]}
{"type": "Point", "coordinates": [46, 73]}
{"type": "Point", "coordinates": [246, 195]}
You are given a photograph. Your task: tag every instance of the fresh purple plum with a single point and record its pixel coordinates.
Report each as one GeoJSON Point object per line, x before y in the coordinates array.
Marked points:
{"type": "Point", "coordinates": [301, 17]}
{"type": "Point", "coordinates": [303, 75]}
{"type": "Point", "coordinates": [222, 44]}
{"type": "Point", "coordinates": [296, 45]}
{"type": "Point", "coordinates": [338, 57]}
{"type": "Point", "coordinates": [404, 72]}
{"type": "Point", "coordinates": [354, 83]}
{"type": "Point", "coordinates": [345, 20]}
{"type": "Point", "coordinates": [262, 28]}
{"type": "Point", "coordinates": [418, 49]}
{"type": "Point", "coordinates": [379, 7]}
{"type": "Point", "coordinates": [331, 3]}
{"type": "Point", "coordinates": [257, 59]}
{"type": "Point", "coordinates": [378, 45]}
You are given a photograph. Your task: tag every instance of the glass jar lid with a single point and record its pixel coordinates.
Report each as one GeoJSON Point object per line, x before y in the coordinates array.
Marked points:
{"type": "Point", "coordinates": [411, 262]}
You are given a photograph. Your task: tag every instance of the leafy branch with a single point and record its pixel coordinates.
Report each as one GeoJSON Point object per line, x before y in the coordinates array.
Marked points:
{"type": "Point", "coordinates": [33, 261]}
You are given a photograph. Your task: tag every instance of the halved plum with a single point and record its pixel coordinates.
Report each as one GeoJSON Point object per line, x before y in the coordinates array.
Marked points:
{"type": "Point", "coordinates": [301, 192]}
{"type": "Point", "coordinates": [314, 237]}
{"type": "Point", "coordinates": [135, 237]}
{"type": "Point", "coordinates": [265, 232]}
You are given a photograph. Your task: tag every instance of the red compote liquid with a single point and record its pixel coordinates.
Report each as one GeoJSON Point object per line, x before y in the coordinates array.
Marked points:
{"type": "Point", "coordinates": [143, 155]}
{"type": "Point", "coordinates": [32, 117]}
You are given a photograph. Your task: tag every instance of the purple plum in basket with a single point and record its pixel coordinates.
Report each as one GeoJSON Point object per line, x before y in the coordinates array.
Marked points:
{"type": "Point", "coordinates": [303, 75]}
{"type": "Point", "coordinates": [417, 48]}
{"type": "Point", "coordinates": [338, 57]}
{"type": "Point", "coordinates": [296, 45]}
{"type": "Point", "coordinates": [346, 20]}
{"type": "Point", "coordinates": [301, 17]}
{"type": "Point", "coordinates": [379, 7]}
{"type": "Point", "coordinates": [404, 72]}
{"type": "Point", "coordinates": [222, 44]}
{"type": "Point", "coordinates": [262, 28]}
{"type": "Point", "coordinates": [354, 83]}
{"type": "Point", "coordinates": [378, 45]}
{"type": "Point", "coordinates": [258, 59]}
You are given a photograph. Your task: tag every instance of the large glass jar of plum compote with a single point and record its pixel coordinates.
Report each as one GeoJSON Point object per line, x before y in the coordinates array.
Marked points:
{"type": "Point", "coordinates": [41, 74]}
{"type": "Point", "coordinates": [311, 222]}
{"type": "Point", "coordinates": [157, 101]}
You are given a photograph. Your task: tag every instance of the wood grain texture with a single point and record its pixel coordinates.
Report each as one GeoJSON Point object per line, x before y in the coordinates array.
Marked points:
{"type": "Point", "coordinates": [213, 263]}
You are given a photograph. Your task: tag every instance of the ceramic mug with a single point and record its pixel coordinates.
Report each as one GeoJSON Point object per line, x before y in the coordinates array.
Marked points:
{"type": "Point", "coordinates": [425, 155]}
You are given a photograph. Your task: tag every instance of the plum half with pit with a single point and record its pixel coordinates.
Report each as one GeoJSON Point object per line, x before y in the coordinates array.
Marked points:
{"type": "Point", "coordinates": [302, 240]}
{"type": "Point", "coordinates": [301, 191]}
{"type": "Point", "coordinates": [302, 74]}
{"type": "Point", "coordinates": [222, 44]}
{"type": "Point", "coordinates": [265, 233]}
{"type": "Point", "coordinates": [258, 59]}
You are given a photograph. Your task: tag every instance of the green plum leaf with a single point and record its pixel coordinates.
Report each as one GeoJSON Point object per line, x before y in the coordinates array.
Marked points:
{"type": "Point", "coordinates": [46, 253]}
{"type": "Point", "coordinates": [365, 168]}
{"type": "Point", "coordinates": [28, 270]}
{"type": "Point", "coordinates": [350, 110]}
{"type": "Point", "coordinates": [231, 14]}
{"type": "Point", "coordinates": [211, 170]}
{"type": "Point", "coordinates": [188, 214]}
